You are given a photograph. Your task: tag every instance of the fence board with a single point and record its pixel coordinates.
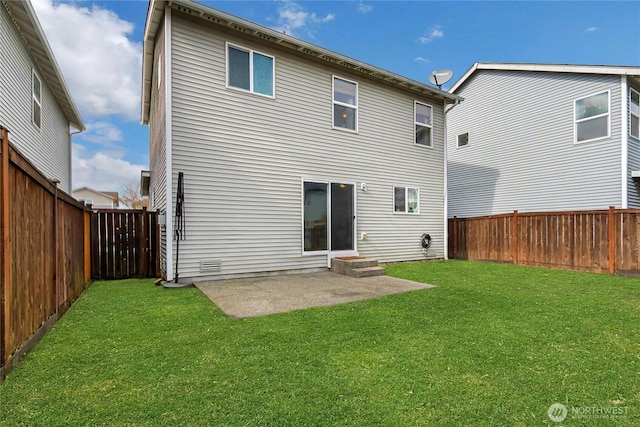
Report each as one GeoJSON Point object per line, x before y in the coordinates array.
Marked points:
{"type": "Point", "coordinates": [43, 254]}
{"type": "Point", "coordinates": [126, 244]}
{"type": "Point", "coordinates": [603, 241]}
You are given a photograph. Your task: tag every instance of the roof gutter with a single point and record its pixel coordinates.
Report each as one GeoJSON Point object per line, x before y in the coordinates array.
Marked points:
{"type": "Point", "coordinates": [278, 39]}
{"type": "Point", "coordinates": [24, 15]}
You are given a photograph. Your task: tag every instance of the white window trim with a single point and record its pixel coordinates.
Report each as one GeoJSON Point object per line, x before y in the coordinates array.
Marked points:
{"type": "Point", "coordinates": [35, 76]}
{"type": "Point", "coordinates": [607, 114]}
{"type": "Point", "coordinates": [631, 113]}
{"type": "Point", "coordinates": [159, 71]}
{"type": "Point", "coordinates": [468, 140]}
{"type": "Point", "coordinates": [406, 200]}
{"type": "Point", "coordinates": [415, 123]}
{"type": "Point", "coordinates": [343, 104]}
{"type": "Point", "coordinates": [328, 251]}
{"type": "Point", "coordinates": [251, 88]}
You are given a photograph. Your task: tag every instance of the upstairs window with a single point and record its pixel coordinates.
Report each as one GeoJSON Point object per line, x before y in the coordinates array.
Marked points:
{"type": "Point", "coordinates": [634, 110]}
{"type": "Point", "coordinates": [423, 122]}
{"type": "Point", "coordinates": [406, 200]}
{"type": "Point", "coordinates": [345, 104]}
{"type": "Point", "coordinates": [36, 100]}
{"type": "Point", "coordinates": [159, 72]}
{"type": "Point", "coordinates": [249, 70]}
{"type": "Point", "coordinates": [592, 117]}
{"type": "Point", "coordinates": [463, 139]}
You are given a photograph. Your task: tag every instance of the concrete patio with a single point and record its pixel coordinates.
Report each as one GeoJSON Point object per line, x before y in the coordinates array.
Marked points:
{"type": "Point", "coordinates": [261, 296]}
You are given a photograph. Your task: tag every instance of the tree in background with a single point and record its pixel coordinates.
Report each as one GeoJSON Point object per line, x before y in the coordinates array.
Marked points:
{"type": "Point", "coordinates": [130, 196]}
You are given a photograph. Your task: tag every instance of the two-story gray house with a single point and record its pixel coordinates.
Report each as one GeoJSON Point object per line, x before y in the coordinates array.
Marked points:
{"type": "Point", "coordinates": [291, 154]}
{"type": "Point", "coordinates": [536, 137]}
{"type": "Point", "coordinates": [36, 106]}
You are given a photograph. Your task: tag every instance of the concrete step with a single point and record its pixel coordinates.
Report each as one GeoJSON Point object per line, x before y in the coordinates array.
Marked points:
{"type": "Point", "coordinates": [366, 272]}
{"type": "Point", "coordinates": [356, 266]}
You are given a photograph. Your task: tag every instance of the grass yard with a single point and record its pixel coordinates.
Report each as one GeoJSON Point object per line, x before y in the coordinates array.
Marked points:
{"type": "Point", "coordinates": [492, 345]}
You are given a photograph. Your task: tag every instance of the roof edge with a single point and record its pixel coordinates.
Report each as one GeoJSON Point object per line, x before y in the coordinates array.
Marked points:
{"type": "Point", "coordinates": [277, 38]}
{"type": "Point", "coordinates": [53, 79]}
{"type": "Point", "coordinates": [549, 68]}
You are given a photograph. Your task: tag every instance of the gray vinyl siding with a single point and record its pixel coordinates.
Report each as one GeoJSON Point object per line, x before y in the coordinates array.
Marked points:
{"type": "Point", "coordinates": [157, 145]}
{"type": "Point", "coordinates": [48, 148]}
{"type": "Point", "coordinates": [633, 150]}
{"type": "Point", "coordinates": [521, 153]}
{"type": "Point", "coordinates": [245, 156]}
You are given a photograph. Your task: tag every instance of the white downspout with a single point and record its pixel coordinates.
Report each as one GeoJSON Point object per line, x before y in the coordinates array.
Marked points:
{"type": "Point", "coordinates": [446, 172]}
{"type": "Point", "coordinates": [168, 143]}
{"type": "Point", "coordinates": [624, 143]}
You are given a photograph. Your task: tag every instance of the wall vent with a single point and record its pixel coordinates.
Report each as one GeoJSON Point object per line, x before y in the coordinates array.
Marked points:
{"type": "Point", "coordinates": [210, 265]}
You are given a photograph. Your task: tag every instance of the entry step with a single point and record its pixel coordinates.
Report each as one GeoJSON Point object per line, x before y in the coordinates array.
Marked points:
{"type": "Point", "coordinates": [355, 266]}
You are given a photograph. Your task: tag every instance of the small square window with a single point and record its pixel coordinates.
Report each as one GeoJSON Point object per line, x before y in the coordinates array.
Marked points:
{"type": "Point", "coordinates": [345, 104]}
{"type": "Point", "coordinates": [249, 70]}
{"type": "Point", "coordinates": [423, 124]}
{"type": "Point", "coordinates": [406, 200]}
{"type": "Point", "coordinates": [463, 139]}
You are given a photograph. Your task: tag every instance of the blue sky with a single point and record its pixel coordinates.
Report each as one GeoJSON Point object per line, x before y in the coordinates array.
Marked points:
{"type": "Point", "coordinates": [99, 44]}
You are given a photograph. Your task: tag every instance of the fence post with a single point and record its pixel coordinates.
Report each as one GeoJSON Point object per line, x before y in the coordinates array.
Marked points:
{"type": "Point", "coordinates": [612, 239]}
{"type": "Point", "coordinates": [514, 236]}
{"type": "Point", "coordinates": [455, 237]}
{"type": "Point", "coordinates": [56, 266]}
{"type": "Point", "coordinates": [6, 260]}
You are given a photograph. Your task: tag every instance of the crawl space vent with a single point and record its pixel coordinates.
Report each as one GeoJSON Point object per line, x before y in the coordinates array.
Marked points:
{"type": "Point", "coordinates": [210, 265]}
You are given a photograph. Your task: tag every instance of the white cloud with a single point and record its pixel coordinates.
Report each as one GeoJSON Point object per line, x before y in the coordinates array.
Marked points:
{"type": "Point", "coordinates": [591, 29]}
{"type": "Point", "coordinates": [104, 133]}
{"type": "Point", "coordinates": [421, 59]}
{"type": "Point", "coordinates": [293, 17]}
{"type": "Point", "coordinates": [432, 34]}
{"type": "Point", "coordinates": [101, 171]}
{"type": "Point", "coordinates": [364, 8]}
{"type": "Point", "coordinates": [100, 63]}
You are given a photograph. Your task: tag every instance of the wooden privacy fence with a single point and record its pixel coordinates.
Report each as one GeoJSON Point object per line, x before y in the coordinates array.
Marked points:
{"type": "Point", "coordinates": [44, 256]}
{"type": "Point", "coordinates": [603, 241]}
{"type": "Point", "coordinates": [124, 243]}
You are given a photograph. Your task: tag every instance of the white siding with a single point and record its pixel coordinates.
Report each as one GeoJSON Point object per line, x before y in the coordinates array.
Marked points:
{"type": "Point", "coordinates": [633, 146]}
{"type": "Point", "coordinates": [100, 201]}
{"type": "Point", "coordinates": [244, 158]}
{"type": "Point", "coordinates": [157, 145]}
{"type": "Point", "coordinates": [48, 148]}
{"type": "Point", "coordinates": [521, 153]}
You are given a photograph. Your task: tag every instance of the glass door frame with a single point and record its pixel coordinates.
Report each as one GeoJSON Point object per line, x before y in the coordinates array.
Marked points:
{"type": "Point", "coordinates": [328, 252]}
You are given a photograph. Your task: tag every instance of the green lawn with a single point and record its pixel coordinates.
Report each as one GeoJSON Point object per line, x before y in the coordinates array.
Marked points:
{"type": "Point", "coordinates": [492, 345]}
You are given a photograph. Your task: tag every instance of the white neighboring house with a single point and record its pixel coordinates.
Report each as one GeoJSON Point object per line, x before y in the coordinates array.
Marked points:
{"type": "Point", "coordinates": [97, 199]}
{"type": "Point", "coordinates": [36, 106]}
{"type": "Point", "coordinates": [544, 137]}
{"type": "Point", "coordinates": [291, 154]}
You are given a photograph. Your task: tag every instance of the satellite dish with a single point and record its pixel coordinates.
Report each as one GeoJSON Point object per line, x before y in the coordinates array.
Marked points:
{"type": "Point", "coordinates": [440, 77]}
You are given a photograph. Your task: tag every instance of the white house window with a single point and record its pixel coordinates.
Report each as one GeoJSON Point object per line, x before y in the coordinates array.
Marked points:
{"type": "Point", "coordinates": [423, 122]}
{"type": "Point", "coordinates": [249, 70]}
{"type": "Point", "coordinates": [345, 104]}
{"type": "Point", "coordinates": [634, 110]}
{"type": "Point", "coordinates": [463, 139]}
{"type": "Point", "coordinates": [406, 200]}
{"type": "Point", "coordinates": [592, 117]}
{"type": "Point", "coordinates": [36, 101]}
{"type": "Point", "coordinates": [159, 72]}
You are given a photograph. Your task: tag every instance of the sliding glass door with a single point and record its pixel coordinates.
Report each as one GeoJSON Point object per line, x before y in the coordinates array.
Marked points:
{"type": "Point", "coordinates": [329, 216]}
